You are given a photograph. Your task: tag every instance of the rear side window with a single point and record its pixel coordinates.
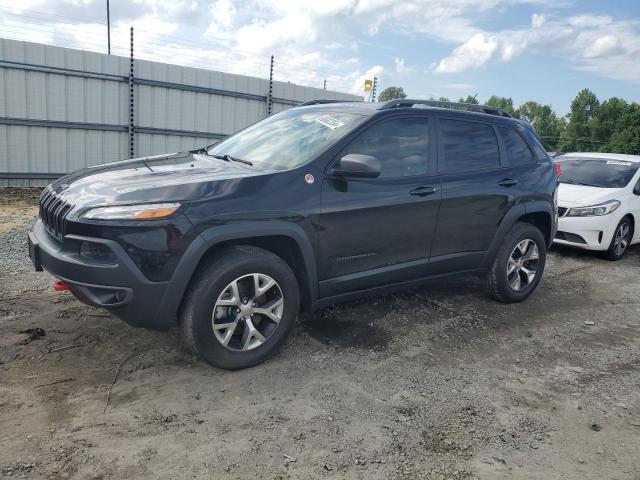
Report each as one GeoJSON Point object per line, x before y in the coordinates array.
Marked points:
{"type": "Point", "coordinates": [517, 149]}
{"type": "Point", "coordinates": [541, 153]}
{"type": "Point", "coordinates": [401, 145]}
{"type": "Point", "coordinates": [468, 146]}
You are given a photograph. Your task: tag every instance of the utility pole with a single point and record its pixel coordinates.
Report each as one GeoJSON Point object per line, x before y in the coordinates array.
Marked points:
{"type": "Point", "coordinates": [373, 89]}
{"type": "Point", "coordinates": [325, 84]}
{"type": "Point", "coordinates": [108, 29]}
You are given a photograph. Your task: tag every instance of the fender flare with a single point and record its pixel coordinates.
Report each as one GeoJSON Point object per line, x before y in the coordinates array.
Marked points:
{"type": "Point", "coordinates": [541, 206]}
{"type": "Point", "coordinates": [510, 218]}
{"type": "Point", "coordinates": [213, 236]}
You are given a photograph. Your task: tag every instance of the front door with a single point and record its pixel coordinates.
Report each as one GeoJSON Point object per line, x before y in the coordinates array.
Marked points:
{"type": "Point", "coordinates": [379, 230]}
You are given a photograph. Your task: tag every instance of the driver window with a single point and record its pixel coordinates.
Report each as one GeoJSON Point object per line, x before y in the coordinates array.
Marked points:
{"type": "Point", "coordinates": [401, 145]}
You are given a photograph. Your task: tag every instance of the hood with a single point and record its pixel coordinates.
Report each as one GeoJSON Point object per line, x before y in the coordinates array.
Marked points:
{"type": "Point", "coordinates": [173, 177]}
{"type": "Point", "coordinates": [583, 195]}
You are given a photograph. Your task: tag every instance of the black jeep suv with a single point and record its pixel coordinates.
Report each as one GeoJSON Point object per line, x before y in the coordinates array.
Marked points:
{"type": "Point", "coordinates": [312, 206]}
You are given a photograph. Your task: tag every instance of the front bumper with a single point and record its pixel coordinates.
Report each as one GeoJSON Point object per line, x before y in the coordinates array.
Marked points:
{"type": "Point", "coordinates": [119, 287]}
{"type": "Point", "coordinates": [589, 233]}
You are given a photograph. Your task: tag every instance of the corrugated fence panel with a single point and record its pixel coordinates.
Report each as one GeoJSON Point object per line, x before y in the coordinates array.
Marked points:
{"type": "Point", "coordinates": [63, 109]}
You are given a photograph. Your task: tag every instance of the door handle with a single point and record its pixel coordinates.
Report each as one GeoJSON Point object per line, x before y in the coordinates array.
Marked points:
{"type": "Point", "coordinates": [423, 191]}
{"type": "Point", "coordinates": [508, 182]}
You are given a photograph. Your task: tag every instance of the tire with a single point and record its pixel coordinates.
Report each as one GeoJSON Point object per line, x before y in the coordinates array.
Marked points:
{"type": "Point", "coordinates": [620, 241]}
{"type": "Point", "coordinates": [519, 284]}
{"type": "Point", "coordinates": [213, 290]}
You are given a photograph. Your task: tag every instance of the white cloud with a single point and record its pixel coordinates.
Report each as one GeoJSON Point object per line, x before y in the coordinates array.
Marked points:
{"type": "Point", "coordinates": [603, 46]}
{"type": "Point", "coordinates": [585, 41]}
{"type": "Point", "coordinates": [314, 40]}
{"type": "Point", "coordinates": [589, 21]}
{"type": "Point", "coordinates": [402, 68]}
{"type": "Point", "coordinates": [473, 53]}
{"type": "Point", "coordinates": [537, 20]}
{"type": "Point", "coordinates": [223, 14]}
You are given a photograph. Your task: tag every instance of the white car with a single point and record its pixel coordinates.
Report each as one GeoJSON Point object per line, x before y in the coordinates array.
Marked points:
{"type": "Point", "coordinates": [599, 202]}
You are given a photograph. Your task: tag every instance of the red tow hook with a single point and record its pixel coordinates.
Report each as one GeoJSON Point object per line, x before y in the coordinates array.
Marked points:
{"type": "Point", "coordinates": [60, 286]}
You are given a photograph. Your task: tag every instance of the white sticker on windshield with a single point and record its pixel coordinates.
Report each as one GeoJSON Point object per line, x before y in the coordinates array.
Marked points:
{"type": "Point", "coordinates": [329, 121]}
{"type": "Point", "coordinates": [618, 162]}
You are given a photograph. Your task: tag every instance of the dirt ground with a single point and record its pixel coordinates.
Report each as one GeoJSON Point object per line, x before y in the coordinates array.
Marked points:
{"type": "Point", "coordinates": [439, 382]}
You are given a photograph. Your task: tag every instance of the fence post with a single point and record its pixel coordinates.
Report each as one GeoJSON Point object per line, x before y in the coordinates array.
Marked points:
{"type": "Point", "coordinates": [108, 29]}
{"type": "Point", "coordinates": [132, 149]}
{"type": "Point", "coordinates": [270, 94]}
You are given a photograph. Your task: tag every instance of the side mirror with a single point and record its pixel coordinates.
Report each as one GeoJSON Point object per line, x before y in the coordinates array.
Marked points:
{"type": "Point", "coordinates": [356, 165]}
{"type": "Point", "coordinates": [636, 189]}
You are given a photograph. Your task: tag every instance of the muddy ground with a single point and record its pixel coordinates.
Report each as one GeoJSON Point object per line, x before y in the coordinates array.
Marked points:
{"type": "Point", "coordinates": [438, 382]}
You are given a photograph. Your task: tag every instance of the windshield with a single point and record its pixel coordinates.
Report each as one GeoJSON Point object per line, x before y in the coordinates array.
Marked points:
{"type": "Point", "coordinates": [597, 172]}
{"type": "Point", "coordinates": [288, 139]}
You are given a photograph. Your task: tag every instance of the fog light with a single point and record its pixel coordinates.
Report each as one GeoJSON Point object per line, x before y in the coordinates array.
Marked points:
{"type": "Point", "coordinates": [97, 252]}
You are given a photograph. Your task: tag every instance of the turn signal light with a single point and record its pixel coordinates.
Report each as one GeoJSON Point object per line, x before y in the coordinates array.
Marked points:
{"type": "Point", "coordinates": [155, 212]}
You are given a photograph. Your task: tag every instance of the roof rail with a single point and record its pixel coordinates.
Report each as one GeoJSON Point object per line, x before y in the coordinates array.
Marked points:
{"type": "Point", "coordinates": [437, 103]}
{"type": "Point", "coordinates": [319, 102]}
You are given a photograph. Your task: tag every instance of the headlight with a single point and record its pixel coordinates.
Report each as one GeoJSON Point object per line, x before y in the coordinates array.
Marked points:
{"type": "Point", "coordinates": [594, 211]}
{"type": "Point", "coordinates": [145, 211]}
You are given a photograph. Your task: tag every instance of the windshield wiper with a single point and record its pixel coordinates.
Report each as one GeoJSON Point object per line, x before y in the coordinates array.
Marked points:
{"type": "Point", "coordinates": [228, 158]}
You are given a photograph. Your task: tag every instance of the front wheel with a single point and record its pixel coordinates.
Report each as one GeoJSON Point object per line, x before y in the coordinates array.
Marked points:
{"type": "Point", "coordinates": [620, 240]}
{"type": "Point", "coordinates": [241, 308]}
{"type": "Point", "coordinates": [518, 265]}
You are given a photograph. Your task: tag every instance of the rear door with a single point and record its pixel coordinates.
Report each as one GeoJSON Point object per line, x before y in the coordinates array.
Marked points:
{"type": "Point", "coordinates": [477, 191]}
{"type": "Point", "coordinates": [532, 167]}
{"type": "Point", "coordinates": [379, 230]}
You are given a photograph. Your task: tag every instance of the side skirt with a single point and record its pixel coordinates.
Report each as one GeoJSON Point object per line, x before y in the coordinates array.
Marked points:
{"type": "Point", "coordinates": [393, 287]}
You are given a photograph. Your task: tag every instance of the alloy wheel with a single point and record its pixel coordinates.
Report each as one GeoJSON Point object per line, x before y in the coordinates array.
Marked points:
{"type": "Point", "coordinates": [522, 265]}
{"type": "Point", "coordinates": [247, 312]}
{"type": "Point", "coordinates": [621, 239]}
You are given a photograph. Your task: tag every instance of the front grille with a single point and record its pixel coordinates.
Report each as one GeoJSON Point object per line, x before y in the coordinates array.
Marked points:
{"type": "Point", "coordinates": [53, 210]}
{"type": "Point", "coordinates": [562, 211]}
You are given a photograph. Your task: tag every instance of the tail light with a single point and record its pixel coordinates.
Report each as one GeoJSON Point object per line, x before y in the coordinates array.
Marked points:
{"type": "Point", "coordinates": [558, 169]}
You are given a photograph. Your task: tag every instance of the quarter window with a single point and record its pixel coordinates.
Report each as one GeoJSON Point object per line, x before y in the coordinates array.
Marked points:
{"type": "Point", "coordinates": [401, 145]}
{"type": "Point", "coordinates": [517, 149]}
{"type": "Point", "coordinates": [468, 146]}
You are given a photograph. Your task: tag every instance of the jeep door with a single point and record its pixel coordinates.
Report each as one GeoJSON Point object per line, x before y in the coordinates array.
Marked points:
{"type": "Point", "coordinates": [377, 231]}
{"type": "Point", "coordinates": [477, 191]}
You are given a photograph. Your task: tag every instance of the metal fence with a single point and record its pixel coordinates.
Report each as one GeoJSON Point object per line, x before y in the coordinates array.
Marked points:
{"type": "Point", "coordinates": [62, 109]}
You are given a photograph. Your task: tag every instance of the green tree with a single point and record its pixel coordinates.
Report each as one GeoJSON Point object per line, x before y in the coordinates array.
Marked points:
{"type": "Point", "coordinates": [391, 93]}
{"type": "Point", "coordinates": [578, 136]}
{"type": "Point", "coordinates": [626, 135]}
{"type": "Point", "coordinates": [470, 99]}
{"type": "Point", "coordinates": [546, 122]}
{"type": "Point", "coordinates": [608, 121]}
{"type": "Point", "coordinates": [504, 103]}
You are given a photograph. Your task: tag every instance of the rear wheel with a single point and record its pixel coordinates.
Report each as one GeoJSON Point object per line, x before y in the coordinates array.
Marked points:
{"type": "Point", "coordinates": [620, 241]}
{"type": "Point", "coordinates": [518, 265]}
{"type": "Point", "coordinates": [241, 308]}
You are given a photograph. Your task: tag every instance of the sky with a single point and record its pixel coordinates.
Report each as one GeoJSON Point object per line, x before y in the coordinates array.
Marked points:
{"type": "Point", "coordinates": [542, 50]}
